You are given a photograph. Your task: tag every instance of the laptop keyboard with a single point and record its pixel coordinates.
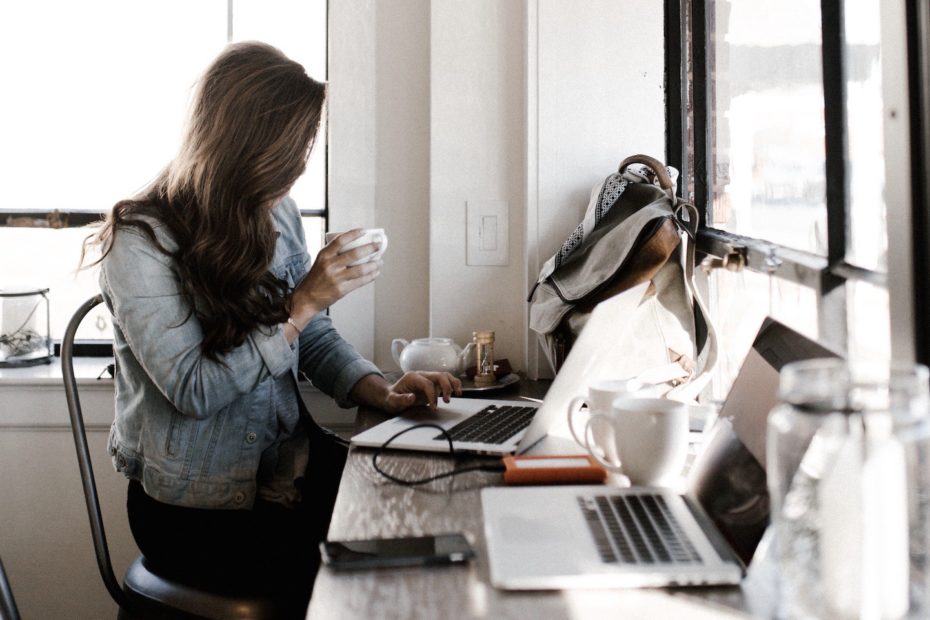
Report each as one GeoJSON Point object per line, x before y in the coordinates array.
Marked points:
{"type": "Point", "coordinates": [492, 424]}
{"type": "Point", "coordinates": [636, 529]}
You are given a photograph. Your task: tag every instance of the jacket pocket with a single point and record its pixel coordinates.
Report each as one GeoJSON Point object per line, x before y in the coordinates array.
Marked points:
{"type": "Point", "coordinates": [173, 436]}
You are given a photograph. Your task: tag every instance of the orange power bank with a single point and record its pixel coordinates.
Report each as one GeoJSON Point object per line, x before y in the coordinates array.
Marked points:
{"type": "Point", "coordinates": [570, 469]}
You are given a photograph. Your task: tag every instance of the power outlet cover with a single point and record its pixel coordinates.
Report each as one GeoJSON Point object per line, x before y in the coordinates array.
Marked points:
{"type": "Point", "coordinates": [487, 232]}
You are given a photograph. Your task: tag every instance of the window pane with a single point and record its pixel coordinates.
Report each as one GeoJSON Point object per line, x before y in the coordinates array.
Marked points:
{"type": "Point", "coordinates": [44, 257]}
{"type": "Point", "coordinates": [314, 229]}
{"type": "Point", "coordinates": [100, 110]}
{"type": "Point", "coordinates": [739, 302]}
{"type": "Point", "coordinates": [768, 130]}
{"type": "Point", "coordinates": [868, 244]}
{"type": "Point", "coordinates": [297, 28]}
{"type": "Point", "coordinates": [92, 113]}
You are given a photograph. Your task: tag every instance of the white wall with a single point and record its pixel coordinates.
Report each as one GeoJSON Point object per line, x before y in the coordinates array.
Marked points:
{"type": "Point", "coordinates": [600, 96]}
{"type": "Point", "coordinates": [477, 153]}
{"type": "Point", "coordinates": [435, 104]}
{"type": "Point", "coordinates": [45, 540]}
{"type": "Point", "coordinates": [379, 162]}
{"type": "Point", "coordinates": [352, 157]}
{"type": "Point", "coordinates": [402, 158]}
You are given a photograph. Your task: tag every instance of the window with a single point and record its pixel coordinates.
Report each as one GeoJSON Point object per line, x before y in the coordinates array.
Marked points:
{"type": "Point", "coordinates": [96, 96]}
{"type": "Point", "coordinates": [776, 123]}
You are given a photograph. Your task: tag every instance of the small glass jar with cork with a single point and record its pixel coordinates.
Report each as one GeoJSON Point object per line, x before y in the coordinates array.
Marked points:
{"type": "Point", "coordinates": [484, 358]}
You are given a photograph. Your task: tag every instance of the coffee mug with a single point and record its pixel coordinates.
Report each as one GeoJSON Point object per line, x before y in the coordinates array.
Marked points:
{"type": "Point", "coordinates": [369, 235]}
{"type": "Point", "coordinates": [645, 439]}
{"type": "Point", "coordinates": [600, 398]}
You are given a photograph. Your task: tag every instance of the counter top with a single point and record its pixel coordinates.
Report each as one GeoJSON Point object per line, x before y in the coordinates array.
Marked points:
{"type": "Point", "coordinates": [86, 370]}
{"type": "Point", "coordinates": [370, 506]}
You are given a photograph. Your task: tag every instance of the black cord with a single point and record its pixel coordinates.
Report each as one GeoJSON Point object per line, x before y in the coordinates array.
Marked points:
{"type": "Point", "coordinates": [497, 468]}
{"type": "Point", "coordinates": [110, 369]}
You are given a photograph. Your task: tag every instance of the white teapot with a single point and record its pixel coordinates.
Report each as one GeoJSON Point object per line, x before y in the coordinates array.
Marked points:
{"type": "Point", "coordinates": [438, 354]}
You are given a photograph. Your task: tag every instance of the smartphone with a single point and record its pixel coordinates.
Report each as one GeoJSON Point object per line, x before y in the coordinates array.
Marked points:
{"type": "Point", "coordinates": [387, 552]}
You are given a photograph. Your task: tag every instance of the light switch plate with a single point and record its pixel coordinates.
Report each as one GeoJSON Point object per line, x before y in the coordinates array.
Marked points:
{"type": "Point", "coordinates": [487, 232]}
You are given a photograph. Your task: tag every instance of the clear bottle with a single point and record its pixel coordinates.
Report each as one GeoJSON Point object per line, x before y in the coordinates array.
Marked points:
{"type": "Point", "coordinates": [847, 465]}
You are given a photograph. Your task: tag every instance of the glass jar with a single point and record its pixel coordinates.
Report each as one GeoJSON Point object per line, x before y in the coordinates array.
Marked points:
{"type": "Point", "coordinates": [848, 471]}
{"type": "Point", "coordinates": [24, 328]}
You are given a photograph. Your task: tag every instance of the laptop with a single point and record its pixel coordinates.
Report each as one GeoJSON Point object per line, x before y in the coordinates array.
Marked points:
{"type": "Point", "coordinates": [493, 427]}
{"type": "Point", "coordinates": [599, 537]}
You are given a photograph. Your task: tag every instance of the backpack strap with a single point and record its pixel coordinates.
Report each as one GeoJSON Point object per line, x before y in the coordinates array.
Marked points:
{"type": "Point", "coordinates": [659, 169]}
{"type": "Point", "coordinates": [707, 356]}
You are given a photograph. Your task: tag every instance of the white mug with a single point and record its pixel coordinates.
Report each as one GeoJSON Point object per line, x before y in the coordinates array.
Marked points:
{"type": "Point", "coordinates": [645, 439]}
{"type": "Point", "coordinates": [369, 235]}
{"type": "Point", "coordinates": [600, 398]}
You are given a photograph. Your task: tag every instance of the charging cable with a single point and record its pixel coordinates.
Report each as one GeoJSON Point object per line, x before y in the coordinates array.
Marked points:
{"type": "Point", "coordinates": [496, 468]}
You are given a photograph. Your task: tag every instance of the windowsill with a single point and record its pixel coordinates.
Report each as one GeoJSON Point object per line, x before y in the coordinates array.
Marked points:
{"type": "Point", "coordinates": [86, 371]}
{"type": "Point", "coordinates": [33, 397]}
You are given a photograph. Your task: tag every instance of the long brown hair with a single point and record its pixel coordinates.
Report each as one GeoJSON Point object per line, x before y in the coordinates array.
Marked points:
{"type": "Point", "coordinates": [254, 120]}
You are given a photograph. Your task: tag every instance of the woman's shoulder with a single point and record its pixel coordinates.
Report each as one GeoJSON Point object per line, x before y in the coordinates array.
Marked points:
{"type": "Point", "coordinates": [286, 213]}
{"type": "Point", "coordinates": [143, 234]}
{"type": "Point", "coordinates": [287, 220]}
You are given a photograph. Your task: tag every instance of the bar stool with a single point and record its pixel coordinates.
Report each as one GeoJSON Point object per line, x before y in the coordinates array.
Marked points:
{"type": "Point", "coordinates": [8, 610]}
{"type": "Point", "coordinates": [144, 593]}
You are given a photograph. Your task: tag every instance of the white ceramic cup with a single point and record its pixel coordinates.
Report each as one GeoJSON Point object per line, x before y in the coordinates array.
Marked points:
{"type": "Point", "coordinates": [369, 235]}
{"type": "Point", "coordinates": [645, 439]}
{"type": "Point", "coordinates": [600, 398]}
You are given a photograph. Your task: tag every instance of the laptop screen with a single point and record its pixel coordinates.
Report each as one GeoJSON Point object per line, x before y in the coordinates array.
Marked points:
{"type": "Point", "coordinates": [728, 476]}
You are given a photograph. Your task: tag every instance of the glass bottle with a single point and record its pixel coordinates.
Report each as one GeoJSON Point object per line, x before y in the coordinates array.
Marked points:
{"type": "Point", "coordinates": [484, 369]}
{"type": "Point", "coordinates": [847, 460]}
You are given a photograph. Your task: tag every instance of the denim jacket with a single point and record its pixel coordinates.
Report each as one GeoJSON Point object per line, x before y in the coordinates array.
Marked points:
{"type": "Point", "coordinates": [195, 432]}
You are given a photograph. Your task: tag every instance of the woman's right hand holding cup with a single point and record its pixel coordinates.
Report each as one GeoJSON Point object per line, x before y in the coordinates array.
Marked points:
{"type": "Point", "coordinates": [332, 276]}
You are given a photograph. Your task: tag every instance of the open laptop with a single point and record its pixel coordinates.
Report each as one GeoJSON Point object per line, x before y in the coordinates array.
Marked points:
{"type": "Point", "coordinates": [506, 427]}
{"type": "Point", "coordinates": [596, 536]}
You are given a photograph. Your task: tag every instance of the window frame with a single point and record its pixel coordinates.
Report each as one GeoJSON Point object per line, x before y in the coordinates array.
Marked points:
{"type": "Point", "coordinates": [826, 275]}
{"type": "Point", "coordinates": [918, 77]}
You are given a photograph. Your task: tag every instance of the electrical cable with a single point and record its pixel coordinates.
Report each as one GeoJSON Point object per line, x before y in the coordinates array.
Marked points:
{"type": "Point", "coordinates": [498, 468]}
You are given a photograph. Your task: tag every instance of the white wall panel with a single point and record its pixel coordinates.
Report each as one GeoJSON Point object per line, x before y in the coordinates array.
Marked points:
{"type": "Point", "coordinates": [595, 94]}
{"type": "Point", "coordinates": [477, 149]}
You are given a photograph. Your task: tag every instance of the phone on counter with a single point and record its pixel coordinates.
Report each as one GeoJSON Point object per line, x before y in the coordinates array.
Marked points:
{"type": "Point", "coordinates": [388, 552]}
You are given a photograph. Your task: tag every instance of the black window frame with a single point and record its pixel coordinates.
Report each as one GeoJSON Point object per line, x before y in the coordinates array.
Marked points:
{"type": "Point", "coordinates": [918, 74]}
{"type": "Point", "coordinates": [688, 80]}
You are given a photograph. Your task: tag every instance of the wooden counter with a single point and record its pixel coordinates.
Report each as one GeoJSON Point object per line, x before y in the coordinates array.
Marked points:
{"type": "Point", "coordinates": [371, 506]}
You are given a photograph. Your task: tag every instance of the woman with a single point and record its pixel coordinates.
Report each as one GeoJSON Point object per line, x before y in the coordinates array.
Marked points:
{"type": "Point", "coordinates": [215, 308]}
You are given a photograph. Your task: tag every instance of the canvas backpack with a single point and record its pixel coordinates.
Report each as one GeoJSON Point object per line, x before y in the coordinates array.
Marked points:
{"type": "Point", "coordinates": [635, 230]}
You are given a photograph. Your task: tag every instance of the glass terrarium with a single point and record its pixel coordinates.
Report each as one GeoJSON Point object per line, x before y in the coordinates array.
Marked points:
{"type": "Point", "coordinates": [24, 328]}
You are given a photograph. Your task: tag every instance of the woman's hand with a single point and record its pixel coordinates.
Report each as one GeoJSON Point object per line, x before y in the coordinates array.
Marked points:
{"type": "Point", "coordinates": [331, 278]}
{"type": "Point", "coordinates": [421, 388]}
{"type": "Point", "coordinates": [413, 388]}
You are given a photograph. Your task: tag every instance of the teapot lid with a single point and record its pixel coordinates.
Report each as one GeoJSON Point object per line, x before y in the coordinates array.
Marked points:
{"type": "Point", "coordinates": [433, 340]}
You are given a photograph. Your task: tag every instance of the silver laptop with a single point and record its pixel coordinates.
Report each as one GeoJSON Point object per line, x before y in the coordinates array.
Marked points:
{"type": "Point", "coordinates": [507, 427]}
{"type": "Point", "coordinates": [598, 536]}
